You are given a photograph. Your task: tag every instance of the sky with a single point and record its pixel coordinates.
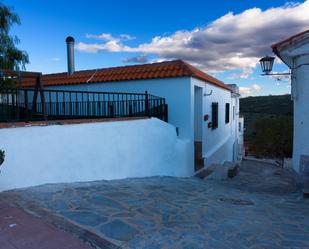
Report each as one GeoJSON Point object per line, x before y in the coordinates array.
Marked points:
{"type": "Point", "coordinates": [224, 38]}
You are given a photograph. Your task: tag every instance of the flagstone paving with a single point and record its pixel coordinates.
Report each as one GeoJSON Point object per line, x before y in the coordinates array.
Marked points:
{"type": "Point", "coordinates": [260, 208]}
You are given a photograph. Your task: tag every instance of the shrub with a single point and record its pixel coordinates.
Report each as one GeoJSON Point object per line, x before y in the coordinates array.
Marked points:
{"type": "Point", "coordinates": [273, 137]}
{"type": "Point", "coordinates": [2, 155]}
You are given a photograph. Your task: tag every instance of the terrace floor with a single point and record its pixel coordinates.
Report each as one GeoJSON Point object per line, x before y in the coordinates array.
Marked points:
{"type": "Point", "coordinates": [260, 208]}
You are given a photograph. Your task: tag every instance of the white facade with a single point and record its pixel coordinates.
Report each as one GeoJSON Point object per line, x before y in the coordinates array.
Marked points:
{"type": "Point", "coordinates": [91, 151]}
{"type": "Point", "coordinates": [171, 89]}
{"type": "Point", "coordinates": [301, 112]}
{"type": "Point", "coordinates": [241, 133]}
{"type": "Point", "coordinates": [189, 100]}
{"type": "Point", "coordinates": [220, 144]}
{"type": "Point", "coordinates": [296, 56]}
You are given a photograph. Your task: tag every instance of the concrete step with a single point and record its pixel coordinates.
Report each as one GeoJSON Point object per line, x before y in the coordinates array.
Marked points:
{"type": "Point", "coordinates": [204, 172]}
{"type": "Point", "coordinates": [306, 192]}
{"type": "Point", "coordinates": [218, 171]}
{"type": "Point", "coordinates": [233, 169]}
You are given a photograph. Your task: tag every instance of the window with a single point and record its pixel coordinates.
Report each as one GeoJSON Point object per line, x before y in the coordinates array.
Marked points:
{"type": "Point", "coordinates": [233, 112]}
{"type": "Point", "coordinates": [214, 115]}
{"type": "Point", "coordinates": [227, 113]}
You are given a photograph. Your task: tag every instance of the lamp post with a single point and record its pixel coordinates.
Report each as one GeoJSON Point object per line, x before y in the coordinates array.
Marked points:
{"type": "Point", "coordinates": [267, 63]}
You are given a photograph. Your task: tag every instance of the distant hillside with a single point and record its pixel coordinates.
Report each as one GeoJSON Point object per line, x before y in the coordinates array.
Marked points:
{"type": "Point", "coordinates": [261, 107]}
{"type": "Point", "coordinates": [278, 105]}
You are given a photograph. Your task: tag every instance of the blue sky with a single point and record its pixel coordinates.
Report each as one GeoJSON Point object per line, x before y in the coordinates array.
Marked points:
{"type": "Point", "coordinates": [223, 38]}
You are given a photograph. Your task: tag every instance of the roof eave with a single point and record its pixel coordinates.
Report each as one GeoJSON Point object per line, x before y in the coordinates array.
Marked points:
{"type": "Point", "coordinates": [279, 47]}
{"type": "Point", "coordinates": [277, 53]}
{"type": "Point", "coordinates": [213, 83]}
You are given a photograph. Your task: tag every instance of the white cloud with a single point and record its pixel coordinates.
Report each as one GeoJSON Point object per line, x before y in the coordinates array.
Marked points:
{"type": "Point", "coordinates": [243, 75]}
{"type": "Point", "coordinates": [244, 90]}
{"type": "Point", "coordinates": [137, 59]}
{"type": "Point", "coordinates": [93, 48]}
{"type": "Point", "coordinates": [112, 44]}
{"type": "Point", "coordinates": [231, 42]}
{"type": "Point", "coordinates": [250, 90]}
{"type": "Point", "coordinates": [103, 36]}
{"type": "Point", "coordinates": [110, 37]}
{"type": "Point", "coordinates": [127, 37]}
{"type": "Point", "coordinates": [55, 59]}
{"type": "Point", "coordinates": [256, 87]}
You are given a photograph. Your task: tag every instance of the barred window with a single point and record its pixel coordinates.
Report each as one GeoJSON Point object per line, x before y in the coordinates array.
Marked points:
{"type": "Point", "coordinates": [227, 113]}
{"type": "Point", "coordinates": [214, 115]}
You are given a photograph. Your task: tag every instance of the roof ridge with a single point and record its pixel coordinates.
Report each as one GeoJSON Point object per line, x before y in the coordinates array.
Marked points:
{"type": "Point", "coordinates": [164, 69]}
{"type": "Point", "coordinates": [194, 69]}
{"type": "Point", "coordinates": [117, 67]}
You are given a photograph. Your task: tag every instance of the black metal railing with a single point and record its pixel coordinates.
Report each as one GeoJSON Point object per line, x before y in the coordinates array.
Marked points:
{"type": "Point", "coordinates": [29, 105]}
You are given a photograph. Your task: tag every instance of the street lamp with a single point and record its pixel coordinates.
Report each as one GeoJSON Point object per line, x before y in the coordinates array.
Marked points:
{"type": "Point", "coordinates": [267, 63]}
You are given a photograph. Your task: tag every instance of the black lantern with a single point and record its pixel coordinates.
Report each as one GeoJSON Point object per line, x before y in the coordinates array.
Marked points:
{"type": "Point", "coordinates": [267, 64]}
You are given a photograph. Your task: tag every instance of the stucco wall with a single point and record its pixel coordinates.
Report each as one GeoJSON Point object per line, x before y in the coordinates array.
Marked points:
{"type": "Point", "coordinates": [92, 151]}
{"type": "Point", "coordinates": [301, 110]}
{"type": "Point", "coordinates": [198, 114]}
{"type": "Point", "coordinates": [174, 90]}
{"type": "Point", "coordinates": [180, 96]}
{"type": "Point", "coordinates": [241, 128]}
{"type": "Point", "coordinates": [218, 143]}
{"type": "Point", "coordinates": [296, 56]}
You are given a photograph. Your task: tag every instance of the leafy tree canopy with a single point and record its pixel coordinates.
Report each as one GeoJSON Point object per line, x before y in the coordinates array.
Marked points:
{"type": "Point", "coordinates": [273, 137]}
{"type": "Point", "coordinates": [10, 56]}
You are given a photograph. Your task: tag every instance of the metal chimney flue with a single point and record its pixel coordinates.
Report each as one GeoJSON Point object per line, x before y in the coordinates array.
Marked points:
{"type": "Point", "coordinates": [70, 53]}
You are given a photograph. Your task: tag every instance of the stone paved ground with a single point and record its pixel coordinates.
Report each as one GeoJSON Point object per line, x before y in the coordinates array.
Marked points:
{"type": "Point", "coordinates": [260, 208]}
{"type": "Point", "coordinates": [20, 230]}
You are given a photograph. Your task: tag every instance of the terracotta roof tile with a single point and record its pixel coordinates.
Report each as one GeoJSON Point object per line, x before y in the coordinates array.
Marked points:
{"type": "Point", "coordinates": [289, 40]}
{"type": "Point", "coordinates": [166, 69]}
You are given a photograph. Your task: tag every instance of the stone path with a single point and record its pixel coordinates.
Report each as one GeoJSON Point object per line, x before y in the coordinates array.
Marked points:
{"type": "Point", "coordinates": [260, 208]}
{"type": "Point", "coordinates": [20, 230]}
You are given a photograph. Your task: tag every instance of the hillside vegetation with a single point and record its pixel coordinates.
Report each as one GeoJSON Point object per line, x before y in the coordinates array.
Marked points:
{"type": "Point", "coordinates": [269, 125]}
{"type": "Point", "coordinates": [278, 105]}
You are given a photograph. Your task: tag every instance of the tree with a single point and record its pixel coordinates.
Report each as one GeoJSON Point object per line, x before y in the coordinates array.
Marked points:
{"type": "Point", "coordinates": [2, 155]}
{"type": "Point", "coordinates": [10, 56]}
{"type": "Point", "coordinates": [273, 137]}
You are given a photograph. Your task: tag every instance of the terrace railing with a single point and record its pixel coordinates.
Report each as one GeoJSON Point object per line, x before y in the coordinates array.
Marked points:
{"type": "Point", "coordinates": [25, 105]}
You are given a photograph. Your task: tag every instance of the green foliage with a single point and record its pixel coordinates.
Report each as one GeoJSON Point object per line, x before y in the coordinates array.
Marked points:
{"type": "Point", "coordinates": [10, 56]}
{"type": "Point", "coordinates": [276, 104]}
{"type": "Point", "coordinates": [269, 126]}
{"type": "Point", "coordinates": [273, 137]}
{"type": "Point", "coordinates": [7, 83]}
{"type": "Point", "coordinates": [256, 108]}
{"type": "Point", "coordinates": [2, 155]}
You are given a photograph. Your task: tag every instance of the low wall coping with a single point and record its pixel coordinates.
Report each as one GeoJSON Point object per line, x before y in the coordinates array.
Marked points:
{"type": "Point", "coordinates": [65, 122]}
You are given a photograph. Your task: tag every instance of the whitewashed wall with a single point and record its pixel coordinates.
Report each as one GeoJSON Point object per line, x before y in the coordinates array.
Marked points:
{"type": "Point", "coordinates": [296, 57]}
{"type": "Point", "coordinates": [179, 94]}
{"type": "Point", "coordinates": [301, 110]}
{"type": "Point", "coordinates": [174, 90]}
{"type": "Point", "coordinates": [241, 128]}
{"type": "Point", "coordinates": [198, 114]}
{"type": "Point", "coordinates": [92, 151]}
{"type": "Point", "coordinates": [218, 143]}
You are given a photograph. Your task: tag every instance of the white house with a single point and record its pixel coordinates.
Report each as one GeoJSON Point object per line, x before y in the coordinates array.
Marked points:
{"type": "Point", "coordinates": [204, 128]}
{"type": "Point", "coordinates": [294, 52]}
{"type": "Point", "coordinates": [204, 110]}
